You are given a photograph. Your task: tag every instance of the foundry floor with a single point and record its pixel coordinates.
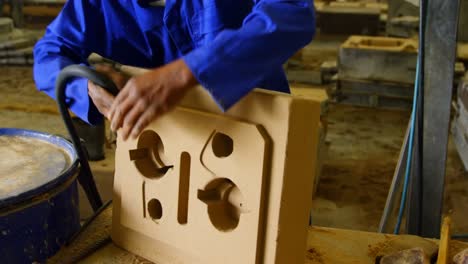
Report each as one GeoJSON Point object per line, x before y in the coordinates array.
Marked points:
{"type": "Point", "coordinates": [362, 149]}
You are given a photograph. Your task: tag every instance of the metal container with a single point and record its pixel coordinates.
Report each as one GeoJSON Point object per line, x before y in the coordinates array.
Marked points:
{"type": "Point", "coordinates": [39, 209]}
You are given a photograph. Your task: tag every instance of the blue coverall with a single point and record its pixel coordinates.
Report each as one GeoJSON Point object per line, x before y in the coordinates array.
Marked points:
{"type": "Point", "coordinates": [231, 46]}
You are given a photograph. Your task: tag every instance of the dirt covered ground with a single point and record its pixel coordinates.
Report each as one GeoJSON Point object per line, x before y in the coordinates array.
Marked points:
{"type": "Point", "coordinates": [363, 146]}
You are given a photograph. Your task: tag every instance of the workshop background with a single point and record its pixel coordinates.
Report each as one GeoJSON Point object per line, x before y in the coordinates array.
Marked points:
{"type": "Point", "coordinates": [361, 65]}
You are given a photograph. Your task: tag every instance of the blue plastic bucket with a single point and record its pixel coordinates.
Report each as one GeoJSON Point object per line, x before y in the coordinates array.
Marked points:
{"type": "Point", "coordinates": [39, 209]}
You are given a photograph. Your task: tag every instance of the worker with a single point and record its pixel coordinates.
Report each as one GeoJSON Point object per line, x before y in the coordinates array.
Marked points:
{"type": "Point", "coordinates": [227, 46]}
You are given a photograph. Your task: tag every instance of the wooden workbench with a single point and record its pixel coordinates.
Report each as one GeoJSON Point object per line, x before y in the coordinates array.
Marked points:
{"type": "Point", "coordinates": [325, 245]}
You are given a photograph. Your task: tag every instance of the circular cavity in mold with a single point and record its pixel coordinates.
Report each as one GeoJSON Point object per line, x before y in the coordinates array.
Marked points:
{"type": "Point", "coordinates": [225, 203]}
{"type": "Point", "coordinates": [155, 209]}
{"type": "Point", "coordinates": [222, 145]}
{"type": "Point", "coordinates": [149, 156]}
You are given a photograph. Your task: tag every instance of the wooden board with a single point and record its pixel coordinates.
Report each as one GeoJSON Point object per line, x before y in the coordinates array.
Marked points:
{"type": "Point", "coordinates": [324, 245]}
{"type": "Point", "coordinates": [462, 51]}
{"type": "Point", "coordinates": [444, 245]}
{"type": "Point", "coordinates": [328, 245]}
{"type": "Point", "coordinates": [318, 94]}
{"type": "Point", "coordinates": [40, 9]}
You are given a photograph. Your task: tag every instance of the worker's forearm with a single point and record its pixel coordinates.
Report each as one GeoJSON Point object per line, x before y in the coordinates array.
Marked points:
{"type": "Point", "coordinates": [236, 61]}
{"type": "Point", "coordinates": [47, 66]}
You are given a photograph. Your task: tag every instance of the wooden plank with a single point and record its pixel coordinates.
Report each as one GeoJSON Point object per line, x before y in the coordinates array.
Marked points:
{"type": "Point", "coordinates": [462, 51]}
{"type": "Point", "coordinates": [50, 2]}
{"type": "Point", "coordinates": [311, 92]}
{"type": "Point", "coordinates": [325, 245]}
{"type": "Point", "coordinates": [319, 95]}
{"type": "Point", "coordinates": [43, 10]}
{"type": "Point", "coordinates": [444, 244]}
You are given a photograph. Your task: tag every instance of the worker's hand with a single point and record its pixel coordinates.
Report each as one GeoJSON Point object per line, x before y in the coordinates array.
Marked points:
{"type": "Point", "coordinates": [148, 96]}
{"type": "Point", "coordinates": [101, 98]}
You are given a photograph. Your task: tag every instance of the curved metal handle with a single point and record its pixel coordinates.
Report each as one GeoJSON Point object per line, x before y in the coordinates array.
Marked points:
{"type": "Point", "coordinates": [86, 177]}
{"type": "Point", "coordinates": [74, 71]}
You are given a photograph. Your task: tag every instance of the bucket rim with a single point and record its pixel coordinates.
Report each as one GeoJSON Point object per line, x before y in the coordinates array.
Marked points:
{"type": "Point", "coordinates": [70, 171]}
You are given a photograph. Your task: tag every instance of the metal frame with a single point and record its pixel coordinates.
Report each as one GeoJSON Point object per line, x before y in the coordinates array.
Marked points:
{"type": "Point", "coordinates": [439, 62]}
{"type": "Point", "coordinates": [426, 190]}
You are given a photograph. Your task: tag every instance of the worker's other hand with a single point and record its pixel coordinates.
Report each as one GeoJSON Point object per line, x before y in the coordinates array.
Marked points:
{"type": "Point", "coordinates": [148, 96]}
{"type": "Point", "coordinates": [101, 98]}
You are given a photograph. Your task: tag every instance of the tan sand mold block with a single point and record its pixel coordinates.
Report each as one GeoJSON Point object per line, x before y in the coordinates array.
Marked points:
{"type": "Point", "coordinates": [232, 155]}
{"type": "Point", "coordinates": [200, 186]}
{"type": "Point", "coordinates": [381, 43]}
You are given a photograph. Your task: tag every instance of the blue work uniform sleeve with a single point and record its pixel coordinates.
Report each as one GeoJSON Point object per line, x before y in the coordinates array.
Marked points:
{"type": "Point", "coordinates": [236, 61]}
{"type": "Point", "coordinates": [68, 40]}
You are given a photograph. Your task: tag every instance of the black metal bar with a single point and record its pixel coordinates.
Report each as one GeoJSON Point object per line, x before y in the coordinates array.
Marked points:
{"type": "Point", "coordinates": [439, 61]}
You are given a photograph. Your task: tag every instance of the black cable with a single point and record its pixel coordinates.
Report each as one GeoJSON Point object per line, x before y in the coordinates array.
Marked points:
{"type": "Point", "coordinates": [85, 177]}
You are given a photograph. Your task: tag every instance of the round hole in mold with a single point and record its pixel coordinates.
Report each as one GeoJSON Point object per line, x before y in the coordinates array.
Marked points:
{"type": "Point", "coordinates": [150, 155]}
{"type": "Point", "coordinates": [224, 210]}
{"type": "Point", "coordinates": [155, 209]}
{"type": "Point", "coordinates": [222, 145]}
